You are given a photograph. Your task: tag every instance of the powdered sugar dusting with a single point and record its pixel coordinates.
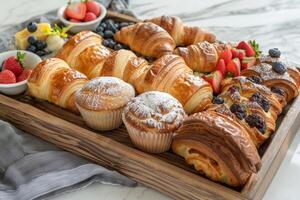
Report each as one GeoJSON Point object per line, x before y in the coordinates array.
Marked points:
{"type": "Point", "coordinates": [156, 110]}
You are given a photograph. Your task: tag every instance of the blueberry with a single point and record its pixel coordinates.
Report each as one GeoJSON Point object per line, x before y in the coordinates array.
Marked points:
{"type": "Point", "coordinates": [104, 25]}
{"type": "Point", "coordinates": [101, 34]}
{"type": "Point", "coordinates": [278, 67]}
{"type": "Point", "coordinates": [118, 47]}
{"type": "Point", "coordinates": [255, 120]}
{"type": "Point", "coordinates": [31, 48]}
{"type": "Point", "coordinates": [32, 27]}
{"type": "Point", "coordinates": [123, 24]}
{"type": "Point", "coordinates": [111, 26]}
{"type": "Point", "coordinates": [275, 53]}
{"type": "Point", "coordinates": [41, 52]}
{"type": "Point", "coordinates": [255, 79]}
{"type": "Point", "coordinates": [117, 25]}
{"type": "Point", "coordinates": [277, 90]}
{"type": "Point", "coordinates": [108, 34]}
{"type": "Point", "coordinates": [32, 40]}
{"type": "Point", "coordinates": [99, 29]}
{"type": "Point", "coordinates": [218, 100]}
{"type": "Point", "coordinates": [105, 43]}
{"type": "Point", "coordinates": [111, 43]}
{"type": "Point", "coordinates": [40, 45]}
{"type": "Point", "coordinates": [125, 47]}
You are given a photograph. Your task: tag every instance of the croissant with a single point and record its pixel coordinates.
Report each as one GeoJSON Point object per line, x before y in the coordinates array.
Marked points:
{"type": "Point", "coordinates": [53, 80]}
{"type": "Point", "coordinates": [218, 147]}
{"type": "Point", "coordinates": [201, 57]}
{"type": "Point", "coordinates": [168, 74]}
{"type": "Point", "coordinates": [183, 35]}
{"type": "Point", "coordinates": [282, 84]}
{"type": "Point", "coordinates": [147, 39]}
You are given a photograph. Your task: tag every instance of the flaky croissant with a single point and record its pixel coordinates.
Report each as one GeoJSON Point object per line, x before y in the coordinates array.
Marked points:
{"type": "Point", "coordinates": [200, 57]}
{"type": "Point", "coordinates": [182, 34]}
{"type": "Point", "coordinates": [218, 147]}
{"type": "Point", "coordinates": [147, 39]}
{"type": "Point", "coordinates": [53, 80]}
{"type": "Point", "coordinates": [281, 84]}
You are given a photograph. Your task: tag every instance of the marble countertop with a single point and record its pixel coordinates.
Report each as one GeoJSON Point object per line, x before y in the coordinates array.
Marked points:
{"type": "Point", "coordinates": [273, 23]}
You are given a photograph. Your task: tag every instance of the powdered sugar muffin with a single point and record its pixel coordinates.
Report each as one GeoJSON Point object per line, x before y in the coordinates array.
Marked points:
{"type": "Point", "coordinates": [102, 100]}
{"type": "Point", "coordinates": [151, 120]}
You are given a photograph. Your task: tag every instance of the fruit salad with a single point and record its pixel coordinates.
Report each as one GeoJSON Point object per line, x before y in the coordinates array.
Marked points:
{"type": "Point", "coordinates": [83, 11]}
{"type": "Point", "coordinates": [13, 71]}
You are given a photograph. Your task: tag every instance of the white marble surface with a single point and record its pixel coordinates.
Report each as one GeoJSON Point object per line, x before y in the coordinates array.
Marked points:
{"type": "Point", "coordinates": [271, 23]}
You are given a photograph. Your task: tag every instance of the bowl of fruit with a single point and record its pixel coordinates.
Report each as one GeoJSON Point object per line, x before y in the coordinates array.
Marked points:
{"type": "Point", "coordinates": [15, 70]}
{"type": "Point", "coordinates": [83, 15]}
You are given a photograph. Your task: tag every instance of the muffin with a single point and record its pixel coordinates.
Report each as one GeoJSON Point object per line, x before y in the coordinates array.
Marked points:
{"type": "Point", "coordinates": [102, 100]}
{"type": "Point", "coordinates": [151, 120]}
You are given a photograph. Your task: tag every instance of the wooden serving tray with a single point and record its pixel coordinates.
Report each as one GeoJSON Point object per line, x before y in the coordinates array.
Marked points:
{"type": "Point", "coordinates": [166, 172]}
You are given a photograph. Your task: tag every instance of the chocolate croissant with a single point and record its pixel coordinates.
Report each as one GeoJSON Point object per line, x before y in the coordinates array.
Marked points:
{"type": "Point", "coordinates": [200, 57]}
{"type": "Point", "coordinates": [147, 39]}
{"type": "Point", "coordinates": [182, 34]}
{"type": "Point", "coordinates": [282, 84]}
{"type": "Point", "coordinates": [217, 147]}
{"type": "Point", "coordinates": [53, 80]}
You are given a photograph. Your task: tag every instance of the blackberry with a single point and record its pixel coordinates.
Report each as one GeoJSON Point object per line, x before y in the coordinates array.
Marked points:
{"type": "Point", "coordinates": [255, 79]}
{"type": "Point", "coordinates": [261, 100]}
{"type": "Point", "coordinates": [275, 53]}
{"type": "Point", "coordinates": [238, 110]}
{"type": "Point", "coordinates": [255, 120]}
{"type": "Point", "coordinates": [278, 91]}
{"type": "Point", "coordinates": [218, 100]}
{"type": "Point", "coordinates": [278, 67]}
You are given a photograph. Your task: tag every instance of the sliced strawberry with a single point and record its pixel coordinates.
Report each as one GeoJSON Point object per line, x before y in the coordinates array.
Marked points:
{"type": "Point", "coordinates": [25, 75]}
{"type": "Point", "coordinates": [214, 79]}
{"type": "Point", "coordinates": [93, 7]}
{"type": "Point", "coordinates": [89, 16]}
{"type": "Point", "coordinates": [13, 64]}
{"type": "Point", "coordinates": [75, 11]}
{"type": "Point", "coordinates": [7, 77]}
{"type": "Point", "coordinates": [248, 62]}
{"type": "Point", "coordinates": [238, 53]}
{"type": "Point", "coordinates": [226, 55]}
{"type": "Point", "coordinates": [235, 52]}
{"type": "Point", "coordinates": [247, 47]}
{"type": "Point", "coordinates": [234, 67]}
{"type": "Point", "coordinates": [221, 66]}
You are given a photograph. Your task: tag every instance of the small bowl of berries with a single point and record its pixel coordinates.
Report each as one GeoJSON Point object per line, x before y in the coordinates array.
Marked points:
{"type": "Point", "coordinates": [15, 70]}
{"type": "Point", "coordinates": [81, 16]}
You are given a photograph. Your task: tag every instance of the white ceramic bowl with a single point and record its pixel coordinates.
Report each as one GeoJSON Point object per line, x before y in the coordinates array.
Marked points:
{"type": "Point", "coordinates": [30, 62]}
{"type": "Point", "coordinates": [82, 26]}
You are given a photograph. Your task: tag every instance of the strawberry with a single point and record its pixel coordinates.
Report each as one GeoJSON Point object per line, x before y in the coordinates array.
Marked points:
{"type": "Point", "coordinates": [7, 77]}
{"type": "Point", "coordinates": [93, 7]}
{"type": "Point", "coordinates": [75, 10]}
{"type": "Point", "coordinates": [25, 75]}
{"type": "Point", "coordinates": [235, 52]}
{"type": "Point", "coordinates": [15, 64]}
{"type": "Point", "coordinates": [214, 79]}
{"type": "Point", "coordinates": [234, 67]}
{"type": "Point", "coordinates": [247, 47]}
{"type": "Point", "coordinates": [226, 55]}
{"type": "Point", "coordinates": [221, 66]}
{"type": "Point", "coordinates": [248, 62]}
{"type": "Point", "coordinates": [238, 53]}
{"type": "Point", "coordinates": [89, 16]}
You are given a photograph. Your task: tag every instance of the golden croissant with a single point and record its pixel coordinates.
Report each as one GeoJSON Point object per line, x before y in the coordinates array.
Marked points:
{"type": "Point", "coordinates": [182, 34]}
{"type": "Point", "coordinates": [53, 80]}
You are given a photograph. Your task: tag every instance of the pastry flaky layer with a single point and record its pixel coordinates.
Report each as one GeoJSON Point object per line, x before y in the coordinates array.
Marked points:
{"type": "Point", "coordinates": [168, 74]}
{"type": "Point", "coordinates": [218, 147]}
{"type": "Point", "coordinates": [104, 93]}
{"type": "Point", "coordinates": [53, 80]}
{"type": "Point", "coordinates": [285, 82]}
{"type": "Point", "coordinates": [182, 34]}
{"type": "Point", "coordinates": [146, 38]}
